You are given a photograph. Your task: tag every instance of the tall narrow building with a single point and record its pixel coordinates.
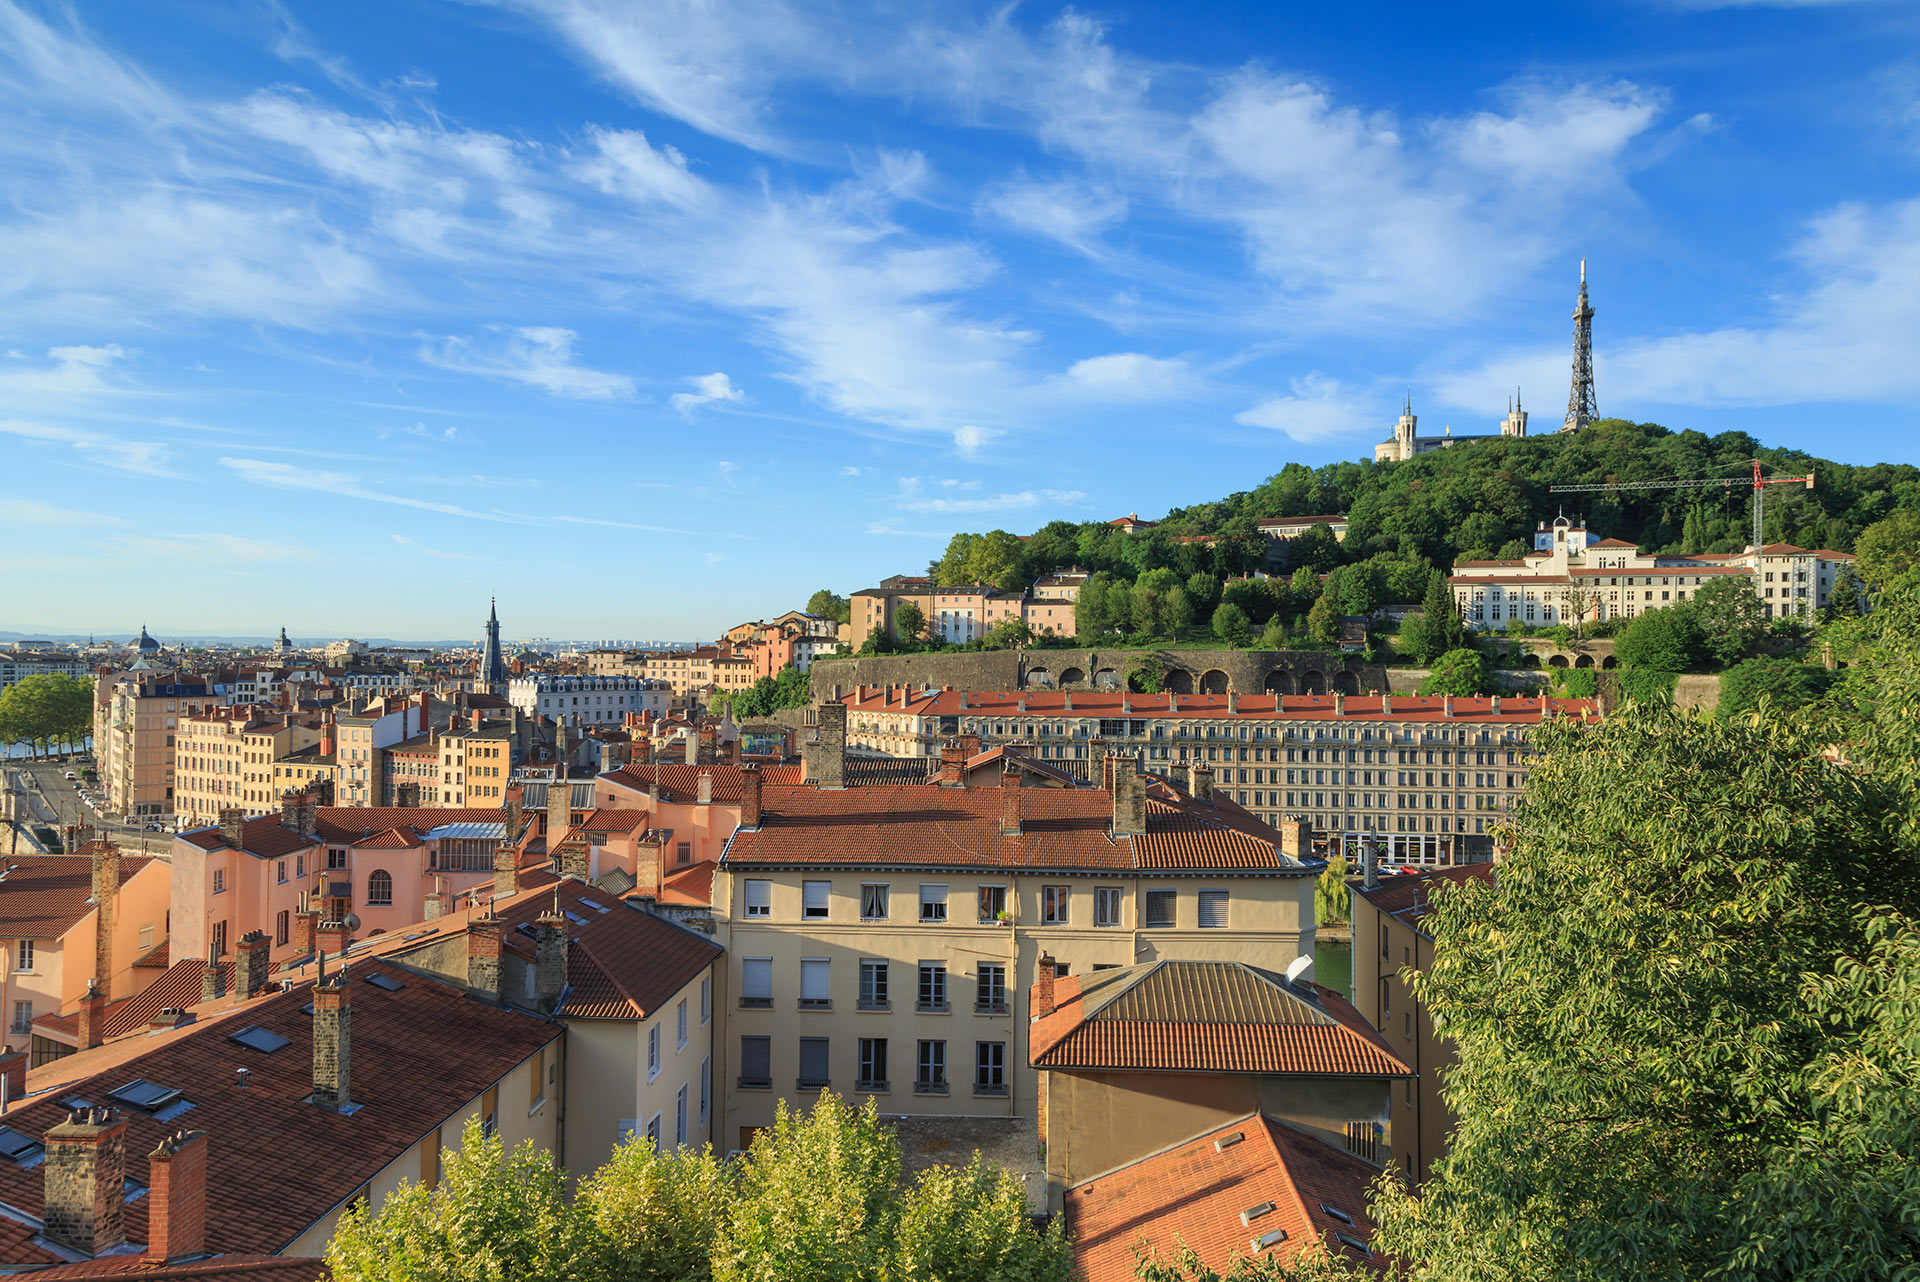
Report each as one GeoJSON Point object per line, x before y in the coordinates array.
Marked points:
{"type": "Point", "coordinates": [493, 663]}
{"type": "Point", "coordinates": [1582, 409]}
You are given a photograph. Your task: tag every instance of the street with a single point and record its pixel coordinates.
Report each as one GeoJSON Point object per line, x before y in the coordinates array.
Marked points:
{"type": "Point", "coordinates": [52, 799]}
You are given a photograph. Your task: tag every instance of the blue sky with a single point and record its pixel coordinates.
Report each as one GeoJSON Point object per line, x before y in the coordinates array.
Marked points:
{"type": "Point", "coordinates": [652, 317]}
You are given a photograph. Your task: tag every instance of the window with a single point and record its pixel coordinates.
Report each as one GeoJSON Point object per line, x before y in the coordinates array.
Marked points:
{"type": "Point", "coordinates": [380, 888]}
{"type": "Point", "coordinates": [989, 1068]}
{"type": "Point", "coordinates": [280, 871]}
{"type": "Point", "coordinates": [680, 1024]}
{"type": "Point", "coordinates": [680, 1117]}
{"type": "Point", "coordinates": [1213, 910]}
{"type": "Point", "coordinates": [1106, 905]}
{"type": "Point", "coordinates": [219, 881]}
{"type": "Point", "coordinates": [682, 854]}
{"type": "Point", "coordinates": [815, 989]}
{"type": "Point", "coordinates": [873, 985]}
{"type": "Point", "coordinates": [653, 1052]}
{"type": "Point", "coordinates": [814, 896]}
{"type": "Point", "coordinates": [756, 982]}
{"type": "Point", "coordinates": [24, 961]}
{"type": "Point", "coordinates": [653, 1131]}
{"type": "Point", "coordinates": [873, 1064]}
{"type": "Point", "coordinates": [280, 927]}
{"type": "Point", "coordinates": [813, 1062]}
{"type": "Point", "coordinates": [219, 939]}
{"type": "Point", "coordinates": [758, 898]}
{"type": "Point", "coordinates": [756, 1063]}
{"type": "Point", "coordinates": [993, 903]}
{"type": "Point", "coordinates": [933, 901]}
{"type": "Point", "coordinates": [933, 986]}
{"type": "Point", "coordinates": [1053, 904]}
{"type": "Point", "coordinates": [930, 1077]}
{"type": "Point", "coordinates": [992, 994]}
{"type": "Point", "coordinates": [706, 998]}
{"type": "Point", "coordinates": [1160, 908]}
{"type": "Point", "coordinates": [873, 901]}
{"type": "Point", "coordinates": [23, 1017]}
{"type": "Point", "coordinates": [706, 1078]}
{"type": "Point", "coordinates": [146, 937]}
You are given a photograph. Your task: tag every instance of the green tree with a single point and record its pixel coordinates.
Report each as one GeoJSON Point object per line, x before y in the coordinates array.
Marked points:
{"type": "Point", "coordinates": [1230, 624]}
{"type": "Point", "coordinates": [1512, 550]}
{"type": "Point", "coordinates": [1785, 683]}
{"type": "Point", "coordinates": [1147, 676]}
{"type": "Point", "coordinates": [971, 1224]}
{"type": "Point", "coordinates": [1848, 596]}
{"type": "Point", "coordinates": [1458, 672]}
{"type": "Point", "coordinates": [1332, 902]}
{"type": "Point", "coordinates": [1176, 611]}
{"type": "Point", "coordinates": [1438, 627]}
{"type": "Point", "coordinates": [909, 621]}
{"type": "Point", "coordinates": [1145, 613]}
{"type": "Point", "coordinates": [1684, 1048]}
{"type": "Point", "coordinates": [1663, 640]}
{"type": "Point", "coordinates": [658, 1215]}
{"type": "Point", "coordinates": [1313, 1263]}
{"type": "Point", "coordinates": [829, 605]}
{"type": "Point", "coordinates": [47, 711]}
{"type": "Point", "coordinates": [1304, 585]}
{"type": "Point", "coordinates": [494, 1214]}
{"type": "Point", "coordinates": [1203, 589]}
{"type": "Point", "coordinates": [1008, 633]}
{"type": "Point", "coordinates": [1730, 617]}
{"type": "Point", "coordinates": [1090, 608]}
{"type": "Point", "coordinates": [1323, 621]}
{"type": "Point", "coordinates": [1887, 549]}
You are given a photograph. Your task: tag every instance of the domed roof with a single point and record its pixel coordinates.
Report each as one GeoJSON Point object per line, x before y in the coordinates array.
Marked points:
{"type": "Point", "coordinates": [144, 643]}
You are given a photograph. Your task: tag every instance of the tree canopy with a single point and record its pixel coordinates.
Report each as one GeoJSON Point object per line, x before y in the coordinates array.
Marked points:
{"type": "Point", "coordinates": [1686, 1014]}
{"type": "Point", "coordinates": [47, 711]}
{"type": "Point", "coordinates": [1459, 672]}
{"type": "Point", "coordinates": [830, 605]}
{"type": "Point", "coordinates": [819, 1198]}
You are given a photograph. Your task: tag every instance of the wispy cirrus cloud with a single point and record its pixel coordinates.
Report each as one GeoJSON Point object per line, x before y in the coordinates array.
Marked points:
{"type": "Point", "coordinates": [709, 389]}
{"type": "Point", "coordinates": [535, 355]}
{"type": "Point", "coordinates": [1318, 409]}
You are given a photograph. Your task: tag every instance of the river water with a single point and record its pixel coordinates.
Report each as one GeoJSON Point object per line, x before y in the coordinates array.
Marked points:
{"type": "Point", "coordinates": [1333, 965]}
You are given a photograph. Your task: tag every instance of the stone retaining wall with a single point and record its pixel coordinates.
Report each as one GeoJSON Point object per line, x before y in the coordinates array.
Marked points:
{"type": "Point", "coordinates": [1188, 671]}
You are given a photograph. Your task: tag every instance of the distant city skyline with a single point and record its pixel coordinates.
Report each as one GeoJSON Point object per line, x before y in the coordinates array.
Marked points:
{"type": "Point", "coordinates": [654, 318]}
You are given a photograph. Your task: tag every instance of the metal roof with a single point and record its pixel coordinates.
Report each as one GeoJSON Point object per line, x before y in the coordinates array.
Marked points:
{"type": "Point", "coordinates": [467, 831]}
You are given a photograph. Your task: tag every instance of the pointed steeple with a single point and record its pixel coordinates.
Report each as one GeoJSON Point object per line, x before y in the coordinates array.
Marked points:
{"type": "Point", "coordinates": [1582, 409]}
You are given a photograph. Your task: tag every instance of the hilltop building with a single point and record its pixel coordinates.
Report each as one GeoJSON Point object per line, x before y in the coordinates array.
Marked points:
{"type": "Point", "coordinates": [1406, 441]}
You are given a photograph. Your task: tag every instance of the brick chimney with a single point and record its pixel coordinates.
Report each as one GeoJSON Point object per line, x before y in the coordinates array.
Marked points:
{"type": "Point", "coordinates": [1233, 702]}
{"type": "Point", "coordinates": [483, 957]}
{"type": "Point", "coordinates": [434, 906]}
{"type": "Point", "coordinates": [1043, 984]}
{"type": "Point", "coordinates": [93, 1020]}
{"type": "Point", "coordinates": [86, 1171]}
{"type": "Point", "coordinates": [515, 798]}
{"type": "Point", "coordinates": [334, 937]}
{"type": "Point", "coordinates": [1200, 782]}
{"type": "Point", "coordinates": [750, 795]}
{"type": "Point", "coordinates": [970, 745]}
{"type": "Point", "coordinates": [13, 1078]}
{"type": "Point", "coordinates": [231, 817]}
{"type": "Point", "coordinates": [290, 810]}
{"type": "Point", "coordinates": [1339, 703]}
{"type": "Point", "coordinates": [332, 1043]}
{"type": "Point", "coordinates": [1296, 837]}
{"type": "Point", "coordinates": [1010, 780]}
{"type": "Point", "coordinates": [177, 1197]}
{"type": "Point", "coordinates": [831, 767]}
{"type": "Point", "coordinates": [559, 811]}
{"type": "Point", "coordinates": [953, 764]}
{"type": "Point", "coordinates": [1446, 706]}
{"type": "Point", "coordinates": [250, 966]}
{"type": "Point", "coordinates": [703, 788]}
{"type": "Point", "coordinates": [106, 906]}
{"type": "Point", "coordinates": [692, 743]}
{"type": "Point", "coordinates": [306, 930]}
{"type": "Point", "coordinates": [506, 869]}
{"type": "Point", "coordinates": [1129, 799]}
{"type": "Point", "coordinates": [212, 981]}
{"type": "Point", "coordinates": [549, 959]}
{"type": "Point", "coordinates": [573, 859]}
{"type": "Point", "coordinates": [1495, 706]}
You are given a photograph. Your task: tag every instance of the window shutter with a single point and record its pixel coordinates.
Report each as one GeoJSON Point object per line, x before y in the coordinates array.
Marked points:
{"type": "Point", "coordinates": [1213, 909]}
{"type": "Point", "coordinates": [757, 978]}
{"type": "Point", "coordinates": [813, 981]}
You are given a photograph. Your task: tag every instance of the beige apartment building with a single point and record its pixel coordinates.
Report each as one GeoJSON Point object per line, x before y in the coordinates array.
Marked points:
{"type": "Point", "coordinates": [1432, 775]}
{"type": "Point", "coordinates": [466, 764]}
{"type": "Point", "coordinates": [225, 757]}
{"type": "Point", "coordinates": [880, 940]}
{"type": "Point", "coordinates": [136, 723]}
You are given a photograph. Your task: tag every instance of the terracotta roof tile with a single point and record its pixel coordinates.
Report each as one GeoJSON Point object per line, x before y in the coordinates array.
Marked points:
{"type": "Point", "coordinates": [224, 1268]}
{"type": "Point", "coordinates": [263, 836]}
{"type": "Point", "coordinates": [1193, 1194]}
{"type": "Point", "coordinates": [692, 887]}
{"type": "Point", "coordinates": [44, 896]}
{"type": "Point", "coordinates": [180, 988]}
{"type": "Point", "coordinates": [1411, 898]}
{"type": "Point", "coordinates": [680, 783]}
{"type": "Point", "coordinates": [1211, 1017]}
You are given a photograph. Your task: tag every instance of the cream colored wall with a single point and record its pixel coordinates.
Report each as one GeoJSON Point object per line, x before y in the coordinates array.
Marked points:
{"type": "Point", "coordinates": [1270, 924]}
{"type": "Point", "coordinates": [516, 1122]}
{"type": "Point", "coordinates": [43, 985]}
{"type": "Point", "coordinates": [607, 1067]}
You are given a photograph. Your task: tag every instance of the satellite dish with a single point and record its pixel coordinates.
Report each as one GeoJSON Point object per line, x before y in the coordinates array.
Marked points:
{"type": "Point", "coordinates": [1299, 970]}
{"type": "Point", "coordinates": [352, 922]}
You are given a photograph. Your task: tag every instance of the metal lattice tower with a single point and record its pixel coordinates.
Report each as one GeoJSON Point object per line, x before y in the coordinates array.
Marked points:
{"type": "Point", "coordinates": [1582, 409]}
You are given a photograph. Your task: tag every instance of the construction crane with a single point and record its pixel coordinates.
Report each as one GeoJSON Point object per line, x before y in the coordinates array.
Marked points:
{"type": "Point", "coordinates": [1760, 483]}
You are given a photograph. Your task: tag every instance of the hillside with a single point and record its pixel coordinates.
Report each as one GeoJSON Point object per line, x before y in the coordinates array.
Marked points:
{"type": "Point", "coordinates": [1476, 502]}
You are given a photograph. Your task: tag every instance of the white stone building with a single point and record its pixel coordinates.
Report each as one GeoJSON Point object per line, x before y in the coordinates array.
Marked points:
{"type": "Point", "coordinates": [588, 701]}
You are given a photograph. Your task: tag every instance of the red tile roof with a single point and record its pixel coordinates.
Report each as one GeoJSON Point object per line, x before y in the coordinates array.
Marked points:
{"type": "Point", "coordinates": [1411, 898]}
{"type": "Point", "coordinates": [603, 820]}
{"type": "Point", "coordinates": [1308, 707]}
{"type": "Point", "coordinates": [928, 826]}
{"type": "Point", "coordinates": [225, 1268]}
{"type": "Point", "coordinates": [390, 839]}
{"type": "Point", "coordinates": [1193, 1195]}
{"type": "Point", "coordinates": [44, 896]}
{"type": "Point", "coordinates": [1204, 1017]}
{"type": "Point", "coordinates": [692, 887]}
{"type": "Point", "coordinates": [419, 1054]}
{"type": "Point", "coordinates": [679, 783]}
{"type": "Point", "coordinates": [1613, 543]}
{"type": "Point", "coordinates": [155, 958]}
{"type": "Point", "coordinates": [342, 824]}
{"type": "Point", "coordinates": [263, 836]}
{"type": "Point", "coordinates": [179, 988]}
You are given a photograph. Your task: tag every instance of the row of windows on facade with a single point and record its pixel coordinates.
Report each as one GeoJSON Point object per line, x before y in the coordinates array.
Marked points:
{"type": "Point", "coordinates": [681, 1136]}
{"type": "Point", "coordinates": [1056, 903]}
{"type": "Point", "coordinates": [871, 1068]}
{"type": "Point", "coordinates": [876, 986]}
{"type": "Point", "coordinates": [1136, 728]}
{"type": "Point", "coordinates": [680, 1027]}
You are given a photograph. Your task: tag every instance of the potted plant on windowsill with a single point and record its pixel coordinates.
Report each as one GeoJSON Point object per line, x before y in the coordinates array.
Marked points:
{"type": "Point", "coordinates": [1004, 917]}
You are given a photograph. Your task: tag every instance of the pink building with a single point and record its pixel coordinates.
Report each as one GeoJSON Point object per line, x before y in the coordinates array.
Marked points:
{"type": "Point", "coordinates": [372, 867]}
{"type": "Point", "coordinates": [689, 813]}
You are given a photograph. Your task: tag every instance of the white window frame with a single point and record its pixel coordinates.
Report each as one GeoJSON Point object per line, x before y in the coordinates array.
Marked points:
{"type": "Point", "coordinates": [933, 906]}
{"type": "Point", "coordinates": [884, 893]}
{"type": "Point", "coordinates": [680, 1024]}
{"type": "Point", "coordinates": [1109, 895]}
{"type": "Point", "coordinates": [822, 994]}
{"type": "Point", "coordinates": [653, 1052]}
{"type": "Point", "coordinates": [816, 900]}
{"type": "Point", "coordinates": [756, 898]}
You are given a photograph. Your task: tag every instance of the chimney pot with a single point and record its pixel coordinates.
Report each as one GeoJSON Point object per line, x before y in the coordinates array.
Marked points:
{"type": "Point", "coordinates": [85, 1191]}
{"type": "Point", "coordinates": [703, 786]}
{"type": "Point", "coordinates": [483, 957]}
{"type": "Point", "coordinates": [1010, 783]}
{"type": "Point", "coordinates": [93, 1007]}
{"type": "Point", "coordinates": [231, 832]}
{"type": "Point", "coordinates": [549, 961]}
{"type": "Point", "coordinates": [250, 969]}
{"type": "Point", "coordinates": [750, 784]}
{"type": "Point", "coordinates": [1043, 984]}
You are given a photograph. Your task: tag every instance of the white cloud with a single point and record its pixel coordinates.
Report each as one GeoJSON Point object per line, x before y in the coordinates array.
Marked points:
{"type": "Point", "coordinates": [996, 502]}
{"type": "Point", "coordinates": [149, 458]}
{"type": "Point", "coordinates": [849, 470]}
{"type": "Point", "coordinates": [969, 439]}
{"type": "Point", "coordinates": [538, 355]}
{"type": "Point", "coordinates": [451, 434]}
{"type": "Point", "coordinates": [287, 476]}
{"type": "Point", "coordinates": [1131, 376]}
{"type": "Point", "coordinates": [624, 163]}
{"type": "Point", "coordinates": [1320, 409]}
{"type": "Point", "coordinates": [41, 515]}
{"type": "Point", "coordinates": [72, 371]}
{"type": "Point", "coordinates": [710, 388]}
{"type": "Point", "coordinates": [1071, 213]}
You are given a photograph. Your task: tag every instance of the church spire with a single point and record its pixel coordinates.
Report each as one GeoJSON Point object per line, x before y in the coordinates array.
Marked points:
{"type": "Point", "coordinates": [1582, 409]}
